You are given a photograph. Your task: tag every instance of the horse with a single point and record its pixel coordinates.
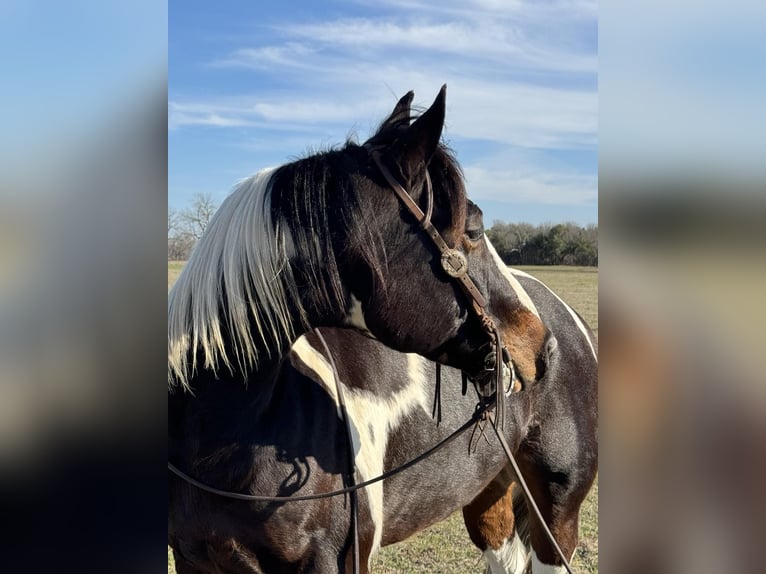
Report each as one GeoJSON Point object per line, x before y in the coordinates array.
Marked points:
{"type": "Point", "coordinates": [323, 243]}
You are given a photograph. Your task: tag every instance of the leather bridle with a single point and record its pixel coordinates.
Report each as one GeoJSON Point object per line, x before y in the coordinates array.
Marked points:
{"type": "Point", "coordinates": [453, 261]}
{"type": "Point", "coordinates": [455, 265]}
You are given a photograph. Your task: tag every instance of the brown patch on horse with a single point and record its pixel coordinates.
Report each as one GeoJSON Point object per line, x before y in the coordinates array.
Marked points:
{"type": "Point", "coordinates": [525, 336]}
{"type": "Point", "coordinates": [489, 517]}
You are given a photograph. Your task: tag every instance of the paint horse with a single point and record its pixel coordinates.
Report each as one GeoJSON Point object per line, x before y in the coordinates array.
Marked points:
{"type": "Point", "coordinates": [322, 242]}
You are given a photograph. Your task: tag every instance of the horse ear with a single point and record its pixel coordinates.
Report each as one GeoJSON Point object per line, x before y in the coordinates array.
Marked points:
{"type": "Point", "coordinates": [423, 137]}
{"type": "Point", "coordinates": [402, 111]}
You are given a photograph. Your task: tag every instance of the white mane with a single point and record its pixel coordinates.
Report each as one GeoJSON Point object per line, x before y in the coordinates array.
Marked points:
{"type": "Point", "coordinates": [241, 264]}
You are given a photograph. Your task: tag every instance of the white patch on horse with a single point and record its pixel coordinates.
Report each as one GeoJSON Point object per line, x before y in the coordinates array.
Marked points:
{"type": "Point", "coordinates": [372, 420]}
{"type": "Point", "coordinates": [355, 317]}
{"type": "Point", "coordinates": [315, 361]}
{"type": "Point", "coordinates": [510, 558]}
{"type": "Point", "coordinates": [523, 296]}
{"type": "Point", "coordinates": [575, 317]}
{"type": "Point", "coordinates": [540, 568]}
{"type": "Point", "coordinates": [375, 417]}
{"type": "Point", "coordinates": [241, 264]}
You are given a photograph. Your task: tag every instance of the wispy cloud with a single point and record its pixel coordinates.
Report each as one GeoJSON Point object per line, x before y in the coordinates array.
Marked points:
{"type": "Point", "coordinates": [510, 81]}
{"type": "Point", "coordinates": [530, 186]}
{"type": "Point", "coordinates": [287, 54]}
{"type": "Point", "coordinates": [522, 10]}
{"type": "Point", "coordinates": [485, 39]}
{"type": "Point", "coordinates": [293, 114]}
{"type": "Point", "coordinates": [521, 74]}
{"type": "Point", "coordinates": [178, 118]}
{"type": "Point", "coordinates": [518, 115]}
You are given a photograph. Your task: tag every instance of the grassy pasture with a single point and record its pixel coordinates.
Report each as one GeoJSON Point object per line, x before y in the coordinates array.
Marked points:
{"type": "Point", "coordinates": [174, 270]}
{"type": "Point", "coordinates": [445, 547]}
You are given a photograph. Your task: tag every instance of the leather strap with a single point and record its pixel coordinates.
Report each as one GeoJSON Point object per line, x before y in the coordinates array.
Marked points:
{"type": "Point", "coordinates": [354, 495]}
{"type": "Point", "coordinates": [448, 254]}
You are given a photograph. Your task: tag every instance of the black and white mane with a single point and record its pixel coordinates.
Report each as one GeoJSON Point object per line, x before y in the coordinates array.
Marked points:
{"type": "Point", "coordinates": [242, 295]}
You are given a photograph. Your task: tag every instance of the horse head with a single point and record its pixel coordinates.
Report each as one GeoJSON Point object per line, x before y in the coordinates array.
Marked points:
{"type": "Point", "coordinates": [402, 281]}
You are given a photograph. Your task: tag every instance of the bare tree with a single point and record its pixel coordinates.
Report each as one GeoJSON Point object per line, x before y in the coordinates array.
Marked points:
{"type": "Point", "coordinates": [185, 227]}
{"type": "Point", "coordinates": [179, 247]}
{"type": "Point", "coordinates": [195, 219]}
{"type": "Point", "coordinates": [172, 222]}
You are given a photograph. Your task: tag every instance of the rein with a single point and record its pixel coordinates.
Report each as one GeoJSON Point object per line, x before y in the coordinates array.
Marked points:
{"type": "Point", "coordinates": [476, 417]}
{"type": "Point", "coordinates": [483, 409]}
{"type": "Point", "coordinates": [528, 494]}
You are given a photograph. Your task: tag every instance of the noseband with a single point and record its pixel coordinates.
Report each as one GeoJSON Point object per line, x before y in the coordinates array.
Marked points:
{"type": "Point", "coordinates": [455, 265]}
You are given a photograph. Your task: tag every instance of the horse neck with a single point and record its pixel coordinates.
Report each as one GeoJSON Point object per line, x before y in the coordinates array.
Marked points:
{"type": "Point", "coordinates": [224, 399]}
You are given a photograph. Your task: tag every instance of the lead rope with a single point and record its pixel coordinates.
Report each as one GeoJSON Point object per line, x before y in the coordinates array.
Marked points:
{"type": "Point", "coordinates": [499, 390]}
{"type": "Point", "coordinates": [528, 494]}
{"type": "Point", "coordinates": [436, 412]}
{"type": "Point", "coordinates": [354, 494]}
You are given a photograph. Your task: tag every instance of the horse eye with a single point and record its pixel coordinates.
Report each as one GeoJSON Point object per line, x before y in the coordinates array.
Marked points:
{"type": "Point", "coordinates": [474, 224]}
{"type": "Point", "coordinates": [474, 234]}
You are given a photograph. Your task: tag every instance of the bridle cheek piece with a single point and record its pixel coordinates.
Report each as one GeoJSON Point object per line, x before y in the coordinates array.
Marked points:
{"type": "Point", "coordinates": [455, 265]}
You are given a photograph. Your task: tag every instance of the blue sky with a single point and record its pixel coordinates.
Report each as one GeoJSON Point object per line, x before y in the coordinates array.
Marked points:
{"type": "Point", "coordinates": [70, 69]}
{"type": "Point", "coordinates": [257, 84]}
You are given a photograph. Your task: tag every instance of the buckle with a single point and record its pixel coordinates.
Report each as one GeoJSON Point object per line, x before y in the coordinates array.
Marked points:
{"type": "Point", "coordinates": [454, 263]}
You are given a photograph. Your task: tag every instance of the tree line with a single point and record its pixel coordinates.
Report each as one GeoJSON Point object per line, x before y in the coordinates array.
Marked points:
{"type": "Point", "coordinates": [516, 243]}
{"type": "Point", "coordinates": [545, 244]}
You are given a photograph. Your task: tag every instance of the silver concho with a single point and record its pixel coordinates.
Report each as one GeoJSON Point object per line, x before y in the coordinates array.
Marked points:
{"type": "Point", "coordinates": [454, 263]}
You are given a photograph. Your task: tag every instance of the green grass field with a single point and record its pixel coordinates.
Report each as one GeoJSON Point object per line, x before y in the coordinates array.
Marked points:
{"type": "Point", "coordinates": [445, 547]}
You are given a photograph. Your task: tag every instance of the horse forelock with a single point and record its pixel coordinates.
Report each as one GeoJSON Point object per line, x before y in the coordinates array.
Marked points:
{"type": "Point", "coordinates": [229, 306]}
{"type": "Point", "coordinates": [445, 172]}
{"type": "Point", "coordinates": [447, 178]}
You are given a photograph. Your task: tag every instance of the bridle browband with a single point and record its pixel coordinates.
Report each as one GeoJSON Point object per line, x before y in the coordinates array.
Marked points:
{"type": "Point", "coordinates": [455, 265]}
